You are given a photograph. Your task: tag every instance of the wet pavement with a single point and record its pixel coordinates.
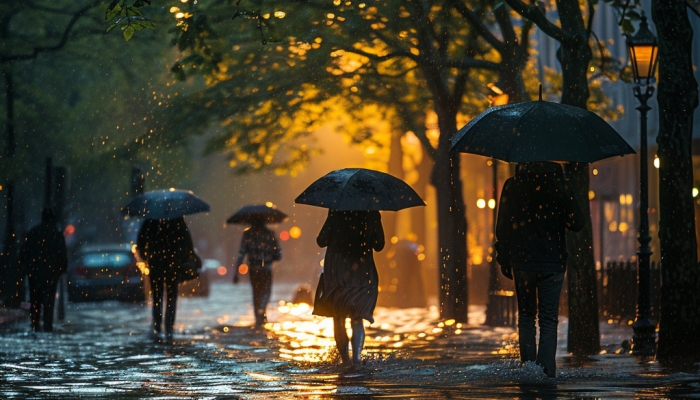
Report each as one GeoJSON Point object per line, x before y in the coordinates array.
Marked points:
{"type": "Point", "coordinates": [103, 350]}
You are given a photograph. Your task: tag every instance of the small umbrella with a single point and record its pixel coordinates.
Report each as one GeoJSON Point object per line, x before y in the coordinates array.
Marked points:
{"type": "Point", "coordinates": [257, 212]}
{"type": "Point", "coordinates": [540, 131]}
{"type": "Point", "coordinates": [166, 204]}
{"type": "Point", "coordinates": [356, 189]}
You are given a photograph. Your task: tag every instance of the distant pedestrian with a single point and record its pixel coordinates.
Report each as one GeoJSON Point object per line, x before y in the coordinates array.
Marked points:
{"type": "Point", "coordinates": [166, 244]}
{"type": "Point", "coordinates": [260, 246]}
{"type": "Point", "coordinates": [537, 207]}
{"type": "Point", "coordinates": [348, 286]}
{"type": "Point", "coordinates": [45, 258]}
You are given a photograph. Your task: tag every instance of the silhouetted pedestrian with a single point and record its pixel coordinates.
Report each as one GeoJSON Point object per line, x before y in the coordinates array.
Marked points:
{"type": "Point", "coordinates": [348, 286]}
{"type": "Point", "coordinates": [260, 246]}
{"type": "Point", "coordinates": [166, 244]}
{"type": "Point", "coordinates": [45, 258]}
{"type": "Point", "coordinates": [537, 207]}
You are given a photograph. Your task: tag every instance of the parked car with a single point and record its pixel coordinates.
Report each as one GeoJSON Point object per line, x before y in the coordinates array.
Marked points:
{"type": "Point", "coordinates": [216, 271]}
{"type": "Point", "coordinates": [105, 272]}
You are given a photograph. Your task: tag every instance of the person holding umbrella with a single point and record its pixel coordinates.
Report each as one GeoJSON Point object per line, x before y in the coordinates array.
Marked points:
{"type": "Point", "coordinates": [349, 284]}
{"type": "Point", "coordinates": [260, 246]}
{"type": "Point", "coordinates": [537, 207]}
{"type": "Point", "coordinates": [165, 243]}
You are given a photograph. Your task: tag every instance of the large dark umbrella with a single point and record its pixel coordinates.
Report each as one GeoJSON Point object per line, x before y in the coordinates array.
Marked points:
{"type": "Point", "coordinates": [257, 213]}
{"type": "Point", "coordinates": [166, 204]}
{"type": "Point", "coordinates": [357, 189]}
{"type": "Point", "coordinates": [540, 131]}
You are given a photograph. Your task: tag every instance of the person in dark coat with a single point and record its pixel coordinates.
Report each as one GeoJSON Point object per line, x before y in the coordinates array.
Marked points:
{"type": "Point", "coordinates": [260, 246]}
{"type": "Point", "coordinates": [45, 258]}
{"type": "Point", "coordinates": [537, 207]}
{"type": "Point", "coordinates": [165, 244]}
{"type": "Point", "coordinates": [349, 284]}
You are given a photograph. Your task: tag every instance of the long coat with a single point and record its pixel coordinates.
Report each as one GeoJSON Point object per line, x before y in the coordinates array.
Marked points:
{"type": "Point", "coordinates": [165, 244]}
{"type": "Point", "coordinates": [350, 280]}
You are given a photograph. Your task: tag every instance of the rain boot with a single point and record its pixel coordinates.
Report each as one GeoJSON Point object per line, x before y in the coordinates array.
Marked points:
{"type": "Point", "coordinates": [358, 340]}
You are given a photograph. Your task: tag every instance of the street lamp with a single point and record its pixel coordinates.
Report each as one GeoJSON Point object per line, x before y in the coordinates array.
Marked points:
{"type": "Point", "coordinates": [643, 51]}
{"type": "Point", "coordinates": [493, 315]}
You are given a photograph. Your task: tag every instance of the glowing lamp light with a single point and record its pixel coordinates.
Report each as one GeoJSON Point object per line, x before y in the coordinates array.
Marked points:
{"type": "Point", "coordinates": [643, 52]}
{"type": "Point", "coordinates": [221, 270]}
{"type": "Point", "coordinates": [284, 235]}
{"type": "Point", "coordinates": [481, 203]}
{"type": "Point", "coordinates": [492, 203]}
{"type": "Point", "coordinates": [69, 230]}
{"type": "Point", "coordinates": [499, 97]}
{"type": "Point", "coordinates": [243, 269]}
{"type": "Point", "coordinates": [295, 232]}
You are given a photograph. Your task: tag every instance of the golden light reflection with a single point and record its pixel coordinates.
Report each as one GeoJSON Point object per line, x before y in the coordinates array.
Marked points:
{"type": "Point", "coordinates": [307, 338]}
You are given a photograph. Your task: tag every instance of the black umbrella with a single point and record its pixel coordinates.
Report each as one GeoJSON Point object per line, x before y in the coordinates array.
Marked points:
{"type": "Point", "coordinates": [166, 204]}
{"type": "Point", "coordinates": [356, 189]}
{"type": "Point", "coordinates": [540, 131]}
{"type": "Point", "coordinates": [257, 212]}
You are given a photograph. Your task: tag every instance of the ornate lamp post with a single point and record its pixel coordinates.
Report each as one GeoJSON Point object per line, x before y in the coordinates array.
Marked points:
{"type": "Point", "coordinates": [643, 51]}
{"type": "Point", "coordinates": [493, 314]}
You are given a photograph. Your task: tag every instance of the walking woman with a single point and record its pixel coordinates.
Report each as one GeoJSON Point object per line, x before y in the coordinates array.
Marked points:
{"type": "Point", "coordinates": [260, 246]}
{"type": "Point", "coordinates": [348, 287]}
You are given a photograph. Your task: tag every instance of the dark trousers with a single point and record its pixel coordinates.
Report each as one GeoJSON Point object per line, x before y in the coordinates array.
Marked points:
{"type": "Point", "coordinates": [261, 280]}
{"type": "Point", "coordinates": [42, 295]}
{"type": "Point", "coordinates": [160, 288]}
{"type": "Point", "coordinates": [538, 297]}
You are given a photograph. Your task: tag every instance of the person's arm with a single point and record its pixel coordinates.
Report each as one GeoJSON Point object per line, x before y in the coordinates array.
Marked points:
{"type": "Point", "coordinates": [241, 256]}
{"type": "Point", "coordinates": [504, 226]}
{"type": "Point", "coordinates": [277, 251]}
{"type": "Point", "coordinates": [324, 236]}
{"type": "Point", "coordinates": [142, 239]}
{"type": "Point", "coordinates": [575, 217]}
{"type": "Point", "coordinates": [377, 230]}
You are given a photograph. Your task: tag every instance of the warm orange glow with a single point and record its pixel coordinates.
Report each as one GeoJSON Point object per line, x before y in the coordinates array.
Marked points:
{"type": "Point", "coordinates": [69, 230]}
{"type": "Point", "coordinates": [243, 269]}
{"type": "Point", "coordinates": [221, 270]}
{"type": "Point", "coordinates": [295, 232]}
{"type": "Point", "coordinates": [284, 235]}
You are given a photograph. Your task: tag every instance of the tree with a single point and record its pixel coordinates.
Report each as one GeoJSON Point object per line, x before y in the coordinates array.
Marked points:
{"type": "Point", "coordinates": [444, 49]}
{"type": "Point", "coordinates": [83, 108]}
{"type": "Point", "coordinates": [677, 98]}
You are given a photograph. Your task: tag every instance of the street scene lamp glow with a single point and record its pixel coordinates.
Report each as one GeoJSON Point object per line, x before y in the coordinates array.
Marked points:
{"type": "Point", "coordinates": [643, 52]}
{"type": "Point", "coordinates": [498, 97]}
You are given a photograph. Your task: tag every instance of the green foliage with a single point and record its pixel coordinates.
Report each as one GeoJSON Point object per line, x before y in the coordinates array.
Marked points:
{"type": "Point", "coordinates": [94, 106]}
{"type": "Point", "coordinates": [128, 17]}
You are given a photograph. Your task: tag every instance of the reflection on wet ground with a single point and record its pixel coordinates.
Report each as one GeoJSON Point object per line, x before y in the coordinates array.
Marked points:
{"type": "Point", "coordinates": [102, 350]}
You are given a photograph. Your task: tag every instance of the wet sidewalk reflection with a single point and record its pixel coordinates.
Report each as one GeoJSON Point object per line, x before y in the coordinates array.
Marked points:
{"type": "Point", "coordinates": [102, 350]}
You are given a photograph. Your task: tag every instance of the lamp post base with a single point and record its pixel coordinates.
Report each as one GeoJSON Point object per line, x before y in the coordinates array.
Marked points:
{"type": "Point", "coordinates": [644, 339]}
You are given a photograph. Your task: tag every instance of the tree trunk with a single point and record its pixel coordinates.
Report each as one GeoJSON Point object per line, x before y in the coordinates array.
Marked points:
{"type": "Point", "coordinates": [11, 275]}
{"type": "Point", "coordinates": [677, 98]}
{"type": "Point", "coordinates": [452, 237]}
{"type": "Point", "coordinates": [395, 168]}
{"type": "Point", "coordinates": [584, 329]}
{"type": "Point", "coordinates": [575, 55]}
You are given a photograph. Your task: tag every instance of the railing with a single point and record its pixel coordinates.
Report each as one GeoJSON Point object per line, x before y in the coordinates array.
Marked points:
{"type": "Point", "coordinates": [617, 291]}
{"type": "Point", "coordinates": [504, 306]}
